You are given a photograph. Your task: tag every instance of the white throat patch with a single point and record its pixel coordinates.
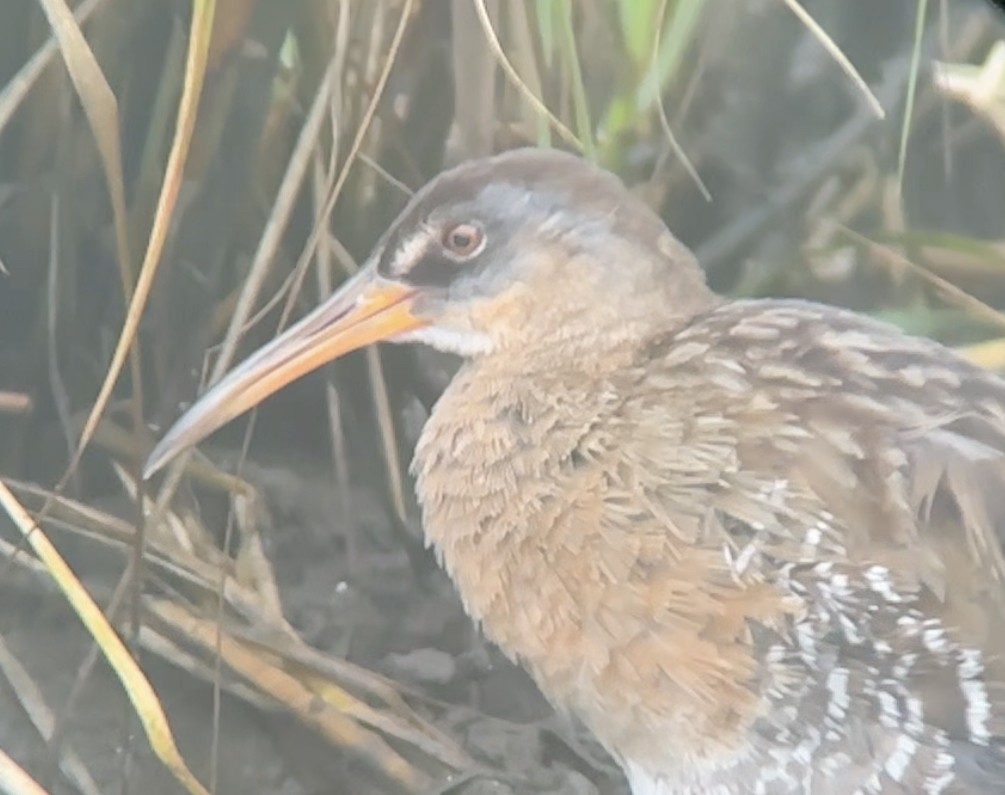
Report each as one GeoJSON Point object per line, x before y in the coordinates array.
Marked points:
{"type": "Point", "coordinates": [463, 343]}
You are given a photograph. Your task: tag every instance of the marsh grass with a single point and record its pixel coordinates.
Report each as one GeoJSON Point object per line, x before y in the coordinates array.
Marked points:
{"type": "Point", "coordinates": [178, 180]}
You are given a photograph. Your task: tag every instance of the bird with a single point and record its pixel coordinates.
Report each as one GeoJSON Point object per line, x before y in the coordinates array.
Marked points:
{"type": "Point", "coordinates": [754, 545]}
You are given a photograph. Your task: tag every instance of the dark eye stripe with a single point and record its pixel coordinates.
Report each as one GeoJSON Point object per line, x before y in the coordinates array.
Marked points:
{"type": "Point", "coordinates": [433, 270]}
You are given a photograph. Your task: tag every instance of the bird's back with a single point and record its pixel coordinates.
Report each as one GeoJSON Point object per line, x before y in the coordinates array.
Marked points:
{"type": "Point", "coordinates": [762, 553]}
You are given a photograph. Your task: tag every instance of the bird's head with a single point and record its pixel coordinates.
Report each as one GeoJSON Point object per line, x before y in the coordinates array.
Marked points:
{"type": "Point", "coordinates": [527, 249]}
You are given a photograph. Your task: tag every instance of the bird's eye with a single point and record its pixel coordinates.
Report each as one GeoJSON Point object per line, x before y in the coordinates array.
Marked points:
{"type": "Point", "coordinates": [463, 240]}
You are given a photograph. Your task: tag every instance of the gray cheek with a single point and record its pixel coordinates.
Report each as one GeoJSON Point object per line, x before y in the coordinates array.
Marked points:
{"type": "Point", "coordinates": [491, 272]}
{"type": "Point", "coordinates": [470, 284]}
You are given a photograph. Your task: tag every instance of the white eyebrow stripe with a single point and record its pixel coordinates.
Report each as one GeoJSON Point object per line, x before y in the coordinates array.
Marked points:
{"type": "Point", "coordinates": [411, 250]}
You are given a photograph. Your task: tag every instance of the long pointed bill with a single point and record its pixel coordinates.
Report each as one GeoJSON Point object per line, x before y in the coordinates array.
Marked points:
{"type": "Point", "coordinates": [366, 309]}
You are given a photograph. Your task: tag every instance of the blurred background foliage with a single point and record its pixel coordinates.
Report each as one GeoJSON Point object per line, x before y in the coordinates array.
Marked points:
{"type": "Point", "coordinates": [293, 610]}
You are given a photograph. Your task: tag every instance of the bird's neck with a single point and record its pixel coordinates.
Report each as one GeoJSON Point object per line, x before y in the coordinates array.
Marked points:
{"type": "Point", "coordinates": [498, 441]}
{"type": "Point", "coordinates": [583, 326]}
{"type": "Point", "coordinates": [487, 459]}
{"type": "Point", "coordinates": [571, 352]}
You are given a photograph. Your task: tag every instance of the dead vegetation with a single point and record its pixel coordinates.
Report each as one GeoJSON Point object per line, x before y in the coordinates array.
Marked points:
{"type": "Point", "coordinates": [178, 180]}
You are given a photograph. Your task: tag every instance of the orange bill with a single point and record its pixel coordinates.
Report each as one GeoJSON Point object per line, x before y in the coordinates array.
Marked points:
{"type": "Point", "coordinates": [364, 310]}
